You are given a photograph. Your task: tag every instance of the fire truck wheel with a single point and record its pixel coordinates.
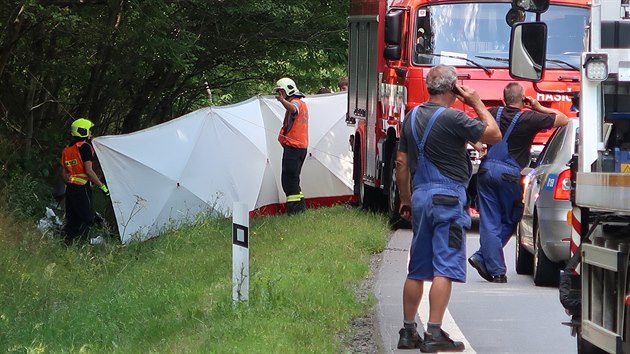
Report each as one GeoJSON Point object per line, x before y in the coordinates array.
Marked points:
{"type": "Point", "coordinates": [393, 201]}
{"type": "Point", "coordinates": [368, 197]}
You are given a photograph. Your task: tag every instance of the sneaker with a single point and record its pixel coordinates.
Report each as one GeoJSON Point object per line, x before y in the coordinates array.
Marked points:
{"type": "Point", "coordinates": [480, 267]}
{"type": "Point", "coordinates": [441, 343]}
{"type": "Point", "coordinates": [409, 339]}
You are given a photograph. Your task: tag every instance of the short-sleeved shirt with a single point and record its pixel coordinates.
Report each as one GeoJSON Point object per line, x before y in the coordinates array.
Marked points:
{"type": "Point", "coordinates": [87, 154]}
{"type": "Point", "coordinates": [447, 140]}
{"type": "Point", "coordinates": [85, 150]}
{"type": "Point", "coordinates": [528, 125]}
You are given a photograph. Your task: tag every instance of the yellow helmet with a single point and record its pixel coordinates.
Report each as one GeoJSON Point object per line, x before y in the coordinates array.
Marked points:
{"type": "Point", "coordinates": [81, 128]}
{"type": "Point", "coordinates": [287, 85]}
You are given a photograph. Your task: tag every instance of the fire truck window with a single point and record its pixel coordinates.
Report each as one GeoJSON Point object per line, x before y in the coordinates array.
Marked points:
{"type": "Point", "coordinates": [565, 33]}
{"type": "Point", "coordinates": [423, 36]}
{"type": "Point", "coordinates": [478, 31]}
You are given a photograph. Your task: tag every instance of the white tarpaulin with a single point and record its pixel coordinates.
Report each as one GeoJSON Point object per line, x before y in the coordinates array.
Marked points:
{"type": "Point", "coordinates": [211, 158]}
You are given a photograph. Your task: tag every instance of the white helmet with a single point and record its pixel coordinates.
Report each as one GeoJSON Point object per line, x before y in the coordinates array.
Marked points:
{"type": "Point", "coordinates": [287, 85]}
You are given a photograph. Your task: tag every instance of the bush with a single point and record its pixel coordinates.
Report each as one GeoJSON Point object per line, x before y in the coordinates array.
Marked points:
{"type": "Point", "coordinates": [25, 195]}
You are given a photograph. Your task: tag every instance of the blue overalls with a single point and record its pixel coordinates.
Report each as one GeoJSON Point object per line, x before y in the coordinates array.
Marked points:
{"type": "Point", "coordinates": [499, 197]}
{"type": "Point", "coordinates": [438, 247]}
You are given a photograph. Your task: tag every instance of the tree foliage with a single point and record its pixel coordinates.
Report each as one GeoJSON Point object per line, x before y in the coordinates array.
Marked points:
{"type": "Point", "coordinates": [131, 64]}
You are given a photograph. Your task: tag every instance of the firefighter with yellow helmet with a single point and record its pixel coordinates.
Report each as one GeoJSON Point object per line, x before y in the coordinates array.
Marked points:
{"type": "Point", "coordinates": [294, 140]}
{"type": "Point", "coordinates": [77, 169]}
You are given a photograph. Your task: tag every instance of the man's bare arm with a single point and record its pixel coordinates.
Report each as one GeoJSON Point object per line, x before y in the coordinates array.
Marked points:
{"type": "Point", "coordinates": [89, 170]}
{"type": "Point", "coordinates": [561, 119]}
{"type": "Point", "coordinates": [287, 105]}
{"type": "Point", "coordinates": [403, 181]}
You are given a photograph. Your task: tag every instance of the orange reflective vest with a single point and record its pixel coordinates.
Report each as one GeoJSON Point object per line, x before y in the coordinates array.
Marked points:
{"type": "Point", "coordinates": [297, 136]}
{"type": "Point", "coordinates": [72, 162]}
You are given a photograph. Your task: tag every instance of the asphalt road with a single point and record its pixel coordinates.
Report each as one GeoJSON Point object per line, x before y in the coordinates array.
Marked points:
{"type": "Point", "coordinates": [516, 317]}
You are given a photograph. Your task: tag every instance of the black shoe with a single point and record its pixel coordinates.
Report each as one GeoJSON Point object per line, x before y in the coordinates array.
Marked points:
{"type": "Point", "coordinates": [481, 268]}
{"type": "Point", "coordinates": [441, 343]}
{"type": "Point", "coordinates": [296, 207]}
{"type": "Point", "coordinates": [409, 339]}
{"type": "Point", "coordinates": [499, 279]}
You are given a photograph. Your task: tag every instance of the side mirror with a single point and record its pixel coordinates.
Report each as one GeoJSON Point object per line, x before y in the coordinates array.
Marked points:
{"type": "Point", "coordinates": [533, 162]}
{"type": "Point", "coordinates": [392, 52]}
{"type": "Point", "coordinates": [514, 16]}
{"type": "Point", "coordinates": [528, 50]}
{"type": "Point", "coordinates": [536, 6]}
{"type": "Point", "coordinates": [393, 35]}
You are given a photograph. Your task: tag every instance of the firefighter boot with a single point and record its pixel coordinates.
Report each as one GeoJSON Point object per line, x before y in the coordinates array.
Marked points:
{"type": "Point", "coordinates": [295, 204]}
{"type": "Point", "coordinates": [296, 207]}
{"type": "Point", "coordinates": [302, 203]}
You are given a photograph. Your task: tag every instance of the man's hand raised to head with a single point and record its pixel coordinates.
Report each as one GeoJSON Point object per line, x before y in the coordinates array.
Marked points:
{"type": "Point", "coordinates": [469, 96]}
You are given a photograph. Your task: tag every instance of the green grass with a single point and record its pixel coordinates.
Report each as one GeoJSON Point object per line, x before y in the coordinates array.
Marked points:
{"type": "Point", "coordinates": [173, 293]}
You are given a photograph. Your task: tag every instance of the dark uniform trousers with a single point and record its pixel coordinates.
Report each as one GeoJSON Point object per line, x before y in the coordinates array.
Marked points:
{"type": "Point", "coordinates": [292, 161]}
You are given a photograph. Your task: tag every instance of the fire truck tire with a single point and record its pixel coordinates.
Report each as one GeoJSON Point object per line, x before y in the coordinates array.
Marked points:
{"type": "Point", "coordinates": [524, 259]}
{"type": "Point", "coordinates": [393, 201]}
{"type": "Point", "coordinates": [546, 272]}
{"type": "Point", "coordinates": [368, 197]}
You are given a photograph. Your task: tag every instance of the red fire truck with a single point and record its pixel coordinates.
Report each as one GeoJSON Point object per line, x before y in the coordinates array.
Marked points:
{"type": "Point", "coordinates": [393, 43]}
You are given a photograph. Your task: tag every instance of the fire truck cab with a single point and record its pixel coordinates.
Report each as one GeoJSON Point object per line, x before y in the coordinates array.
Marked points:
{"type": "Point", "coordinates": [394, 43]}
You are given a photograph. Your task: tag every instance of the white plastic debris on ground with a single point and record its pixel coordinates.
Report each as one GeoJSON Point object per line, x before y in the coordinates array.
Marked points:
{"type": "Point", "coordinates": [49, 223]}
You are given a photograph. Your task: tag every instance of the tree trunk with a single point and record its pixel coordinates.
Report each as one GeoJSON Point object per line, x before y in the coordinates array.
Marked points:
{"type": "Point", "coordinates": [167, 88]}
{"type": "Point", "coordinates": [89, 103]}
{"type": "Point", "coordinates": [28, 139]}
{"type": "Point", "coordinates": [150, 86]}
{"type": "Point", "coordinates": [14, 29]}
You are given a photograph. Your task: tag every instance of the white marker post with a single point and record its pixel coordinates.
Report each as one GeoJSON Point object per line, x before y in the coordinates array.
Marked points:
{"type": "Point", "coordinates": [240, 253]}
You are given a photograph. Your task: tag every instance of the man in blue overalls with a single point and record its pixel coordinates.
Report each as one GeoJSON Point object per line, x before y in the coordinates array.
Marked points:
{"type": "Point", "coordinates": [499, 190]}
{"type": "Point", "coordinates": [432, 154]}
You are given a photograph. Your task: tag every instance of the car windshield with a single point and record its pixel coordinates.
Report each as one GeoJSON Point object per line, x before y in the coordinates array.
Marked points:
{"type": "Point", "coordinates": [479, 33]}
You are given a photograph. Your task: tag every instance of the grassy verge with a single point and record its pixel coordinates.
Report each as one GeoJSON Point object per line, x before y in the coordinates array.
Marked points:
{"type": "Point", "coordinates": [173, 294]}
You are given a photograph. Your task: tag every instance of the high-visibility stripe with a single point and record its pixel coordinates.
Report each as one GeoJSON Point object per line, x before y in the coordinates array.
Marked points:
{"type": "Point", "coordinates": [79, 179]}
{"type": "Point", "coordinates": [294, 198]}
{"type": "Point", "coordinates": [73, 164]}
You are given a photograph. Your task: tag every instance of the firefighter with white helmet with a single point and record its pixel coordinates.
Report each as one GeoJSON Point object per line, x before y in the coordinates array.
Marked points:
{"type": "Point", "coordinates": [294, 140]}
{"type": "Point", "coordinates": [77, 169]}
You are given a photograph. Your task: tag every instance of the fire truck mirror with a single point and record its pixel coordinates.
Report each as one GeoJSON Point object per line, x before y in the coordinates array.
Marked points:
{"type": "Point", "coordinates": [393, 27]}
{"type": "Point", "coordinates": [536, 6]}
{"type": "Point", "coordinates": [514, 16]}
{"type": "Point", "coordinates": [392, 52]}
{"type": "Point", "coordinates": [393, 34]}
{"type": "Point", "coordinates": [528, 50]}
